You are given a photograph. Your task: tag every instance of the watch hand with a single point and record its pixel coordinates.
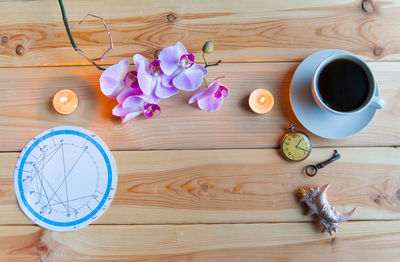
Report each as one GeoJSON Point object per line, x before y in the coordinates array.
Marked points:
{"type": "Point", "coordinates": [299, 142]}
{"type": "Point", "coordinates": [305, 150]}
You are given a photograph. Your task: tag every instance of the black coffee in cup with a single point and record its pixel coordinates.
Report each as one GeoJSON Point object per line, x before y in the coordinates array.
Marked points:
{"type": "Point", "coordinates": [343, 85]}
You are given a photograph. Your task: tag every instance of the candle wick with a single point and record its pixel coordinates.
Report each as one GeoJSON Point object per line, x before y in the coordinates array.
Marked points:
{"type": "Point", "coordinates": [63, 99]}
{"type": "Point", "coordinates": [262, 99]}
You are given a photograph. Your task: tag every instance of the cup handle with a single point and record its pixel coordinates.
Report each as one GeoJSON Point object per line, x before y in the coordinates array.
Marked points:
{"type": "Point", "coordinates": [377, 102]}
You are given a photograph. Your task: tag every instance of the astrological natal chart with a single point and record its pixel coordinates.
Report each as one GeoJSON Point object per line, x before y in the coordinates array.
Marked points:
{"type": "Point", "coordinates": [65, 178]}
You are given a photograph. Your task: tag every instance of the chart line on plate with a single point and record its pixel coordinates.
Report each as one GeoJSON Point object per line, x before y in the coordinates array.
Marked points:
{"type": "Point", "coordinates": [40, 171]}
{"type": "Point", "coordinates": [58, 203]}
{"type": "Point", "coordinates": [65, 177]}
{"type": "Point", "coordinates": [67, 174]}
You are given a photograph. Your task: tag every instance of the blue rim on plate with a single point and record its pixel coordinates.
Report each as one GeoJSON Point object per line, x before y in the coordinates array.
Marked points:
{"type": "Point", "coordinates": [316, 120]}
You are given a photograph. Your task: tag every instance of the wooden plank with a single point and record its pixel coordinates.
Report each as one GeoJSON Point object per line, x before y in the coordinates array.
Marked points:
{"type": "Point", "coordinates": [242, 30]}
{"type": "Point", "coordinates": [234, 186]}
{"type": "Point", "coordinates": [25, 110]}
{"type": "Point", "coordinates": [356, 241]}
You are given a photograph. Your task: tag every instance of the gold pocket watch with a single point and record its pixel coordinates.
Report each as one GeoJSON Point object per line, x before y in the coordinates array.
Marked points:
{"type": "Point", "coordinates": [295, 145]}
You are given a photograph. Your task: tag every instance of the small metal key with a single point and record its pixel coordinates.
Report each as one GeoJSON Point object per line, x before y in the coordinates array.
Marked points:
{"type": "Point", "coordinates": [311, 170]}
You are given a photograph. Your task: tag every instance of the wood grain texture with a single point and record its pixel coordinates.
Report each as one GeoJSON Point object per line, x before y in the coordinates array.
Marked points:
{"type": "Point", "coordinates": [234, 186]}
{"type": "Point", "coordinates": [355, 241]}
{"type": "Point", "coordinates": [229, 201]}
{"type": "Point", "coordinates": [25, 110]}
{"type": "Point", "coordinates": [242, 30]}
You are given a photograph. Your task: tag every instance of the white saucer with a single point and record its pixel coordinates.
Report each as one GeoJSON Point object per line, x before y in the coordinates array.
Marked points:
{"type": "Point", "coordinates": [318, 121]}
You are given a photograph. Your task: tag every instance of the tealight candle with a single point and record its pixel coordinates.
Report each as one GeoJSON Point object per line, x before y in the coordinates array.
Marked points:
{"type": "Point", "coordinates": [65, 101]}
{"type": "Point", "coordinates": [261, 101]}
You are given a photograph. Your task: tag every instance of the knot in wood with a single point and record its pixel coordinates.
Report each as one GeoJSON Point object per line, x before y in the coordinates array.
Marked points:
{"type": "Point", "coordinates": [4, 39]}
{"type": "Point", "coordinates": [367, 6]}
{"type": "Point", "coordinates": [377, 51]}
{"type": "Point", "coordinates": [398, 194]}
{"type": "Point", "coordinates": [42, 248]}
{"type": "Point", "coordinates": [171, 18]}
{"type": "Point", "coordinates": [204, 187]}
{"type": "Point", "coordinates": [19, 49]}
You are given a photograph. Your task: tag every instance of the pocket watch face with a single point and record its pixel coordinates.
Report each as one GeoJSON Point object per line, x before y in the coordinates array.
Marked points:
{"type": "Point", "coordinates": [296, 146]}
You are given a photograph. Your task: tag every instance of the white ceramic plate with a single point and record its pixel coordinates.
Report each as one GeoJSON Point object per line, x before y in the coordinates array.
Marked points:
{"type": "Point", "coordinates": [311, 116]}
{"type": "Point", "coordinates": [65, 178]}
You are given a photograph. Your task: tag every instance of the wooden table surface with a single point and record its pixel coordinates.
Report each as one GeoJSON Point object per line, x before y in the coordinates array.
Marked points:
{"type": "Point", "coordinates": [197, 186]}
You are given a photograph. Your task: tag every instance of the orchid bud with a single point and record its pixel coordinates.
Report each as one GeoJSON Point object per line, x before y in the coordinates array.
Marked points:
{"type": "Point", "coordinates": [208, 47]}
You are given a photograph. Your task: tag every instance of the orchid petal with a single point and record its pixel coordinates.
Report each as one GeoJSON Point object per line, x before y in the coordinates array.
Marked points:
{"type": "Point", "coordinates": [210, 91]}
{"type": "Point", "coordinates": [128, 92]}
{"type": "Point", "coordinates": [110, 87]}
{"type": "Point", "coordinates": [210, 104]}
{"type": "Point", "coordinates": [145, 79]}
{"type": "Point", "coordinates": [130, 116]}
{"type": "Point", "coordinates": [199, 67]}
{"type": "Point", "coordinates": [191, 57]}
{"type": "Point", "coordinates": [111, 78]}
{"type": "Point", "coordinates": [133, 103]}
{"type": "Point", "coordinates": [152, 99]}
{"type": "Point", "coordinates": [196, 95]}
{"type": "Point", "coordinates": [182, 48]}
{"type": "Point", "coordinates": [167, 79]}
{"type": "Point", "coordinates": [149, 110]}
{"type": "Point", "coordinates": [188, 80]}
{"type": "Point", "coordinates": [124, 63]}
{"type": "Point", "coordinates": [211, 98]}
{"type": "Point", "coordinates": [165, 92]}
{"type": "Point", "coordinates": [224, 91]}
{"type": "Point", "coordinates": [156, 108]}
{"type": "Point", "coordinates": [118, 110]}
{"type": "Point", "coordinates": [139, 60]}
{"type": "Point", "coordinates": [169, 58]}
{"type": "Point", "coordinates": [148, 114]}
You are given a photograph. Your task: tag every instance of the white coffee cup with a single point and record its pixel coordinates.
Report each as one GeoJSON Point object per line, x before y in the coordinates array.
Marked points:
{"type": "Point", "coordinates": [372, 100]}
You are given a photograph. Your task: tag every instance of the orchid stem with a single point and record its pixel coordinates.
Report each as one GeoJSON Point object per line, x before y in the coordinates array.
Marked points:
{"type": "Point", "coordinates": [204, 58]}
{"type": "Point", "coordinates": [71, 38]}
{"type": "Point", "coordinates": [215, 64]}
{"type": "Point", "coordinates": [207, 64]}
{"type": "Point", "coordinates": [205, 81]}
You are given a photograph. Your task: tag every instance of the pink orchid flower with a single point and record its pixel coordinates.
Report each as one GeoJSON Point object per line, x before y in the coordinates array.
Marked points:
{"type": "Point", "coordinates": [150, 79]}
{"type": "Point", "coordinates": [116, 82]}
{"type": "Point", "coordinates": [112, 79]}
{"type": "Point", "coordinates": [211, 98]}
{"type": "Point", "coordinates": [131, 87]}
{"type": "Point", "coordinates": [180, 70]}
{"type": "Point", "coordinates": [134, 106]}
